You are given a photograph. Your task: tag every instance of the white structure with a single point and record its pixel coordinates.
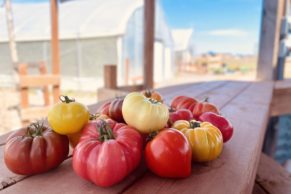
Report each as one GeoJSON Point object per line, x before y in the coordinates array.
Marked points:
{"type": "Point", "coordinates": [92, 33]}
{"type": "Point", "coordinates": [184, 45]}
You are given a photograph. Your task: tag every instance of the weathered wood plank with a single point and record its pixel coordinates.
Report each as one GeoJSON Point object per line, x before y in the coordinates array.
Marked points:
{"type": "Point", "coordinates": [64, 180]}
{"type": "Point", "coordinates": [39, 80]}
{"type": "Point", "coordinates": [272, 177]}
{"type": "Point", "coordinates": [224, 94]}
{"type": "Point", "coordinates": [281, 98]}
{"type": "Point", "coordinates": [237, 164]}
{"type": "Point", "coordinates": [193, 90]}
{"type": "Point", "coordinates": [258, 189]}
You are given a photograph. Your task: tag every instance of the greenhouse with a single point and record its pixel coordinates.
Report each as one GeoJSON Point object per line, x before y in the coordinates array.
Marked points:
{"type": "Point", "coordinates": [103, 32]}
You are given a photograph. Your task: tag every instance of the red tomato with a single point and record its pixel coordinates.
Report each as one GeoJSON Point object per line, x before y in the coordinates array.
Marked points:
{"type": "Point", "coordinates": [107, 152]}
{"type": "Point", "coordinates": [115, 110]}
{"type": "Point", "coordinates": [104, 109]}
{"type": "Point", "coordinates": [169, 154]}
{"type": "Point", "coordinates": [220, 122]}
{"type": "Point", "coordinates": [202, 107]}
{"type": "Point", "coordinates": [35, 149]}
{"type": "Point", "coordinates": [183, 102]}
{"type": "Point", "coordinates": [181, 114]}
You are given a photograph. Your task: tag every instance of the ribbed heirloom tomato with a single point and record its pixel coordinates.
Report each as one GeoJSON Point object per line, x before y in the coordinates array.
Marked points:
{"type": "Point", "coordinates": [168, 154]}
{"type": "Point", "coordinates": [202, 107]}
{"type": "Point", "coordinates": [205, 139]}
{"type": "Point", "coordinates": [183, 102]}
{"type": "Point", "coordinates": [35, 149]}
{"type": "Point", "coordinates": [107, 152]}
{"type": "Point", "coordinates": [144, 114]}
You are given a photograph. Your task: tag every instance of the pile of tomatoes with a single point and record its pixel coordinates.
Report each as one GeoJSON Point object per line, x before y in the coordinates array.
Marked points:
{"type": "Point", "coordinates": [109, 145]}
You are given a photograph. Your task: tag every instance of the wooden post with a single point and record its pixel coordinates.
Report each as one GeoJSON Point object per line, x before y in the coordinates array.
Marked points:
{"type": "Point", "coordinates": [110, 76]}
{"type": "Point", "coordinates": [55, 61]}
{"type": "Point", "coordinates": [272, 14]}
{"type": "Point", "coordinates": [149, 37]}
{"type": "Point", "coordinates": [11, 33]}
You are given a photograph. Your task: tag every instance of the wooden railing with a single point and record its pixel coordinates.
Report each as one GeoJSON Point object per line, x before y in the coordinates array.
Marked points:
{"type": "Point", "coordinates": [42, 81]}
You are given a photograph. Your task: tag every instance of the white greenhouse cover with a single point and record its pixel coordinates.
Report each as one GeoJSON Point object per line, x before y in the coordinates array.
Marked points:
{"type": "Point", "coordinates": [182, 38]}
{"type": "Point", "coordinates": [77, 19]}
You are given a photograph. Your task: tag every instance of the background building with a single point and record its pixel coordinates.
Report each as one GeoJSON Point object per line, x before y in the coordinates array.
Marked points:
{"type": "Point", "coordinates": [92, 33]}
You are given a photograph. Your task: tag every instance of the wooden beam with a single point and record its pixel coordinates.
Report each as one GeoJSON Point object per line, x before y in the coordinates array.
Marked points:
{"type": "Point", "coordinates": [281, 98]}
{"type": "Point", "coordinates": [38, 80]}
{"type": "Point", "coordinates": [55, 46]}
{"type": "Point", "coordinates": [149, 37]}
{"type": "Point", "coordinates": [272, 14]}
{"type": "Point", "coordinates": [272, 177]}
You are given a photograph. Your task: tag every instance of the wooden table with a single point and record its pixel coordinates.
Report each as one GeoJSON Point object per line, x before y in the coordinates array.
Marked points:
{"type": "Point", "coordinates": [245, 104]}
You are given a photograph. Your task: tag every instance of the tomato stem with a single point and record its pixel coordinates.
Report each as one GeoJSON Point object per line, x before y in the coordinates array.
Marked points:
{"type": "Point", "coordinates": [148, 93]}
{"type": "Point", "coordinates": [105, 132]}
{"type": "Point", "coordinates": [206, 99]}
{"type": "Point", "coordinates": [171, 109]}
{"type": "Point", "coordinates": [152, 135]}
{"type": "Point", "coordinates": [35, 129]}
{"type": "Point", "coordinates": [194, 124]}
{"type": "Point", "coordinates": [153, 101]}
{"type": "Point", "coordinates": [66, 99]}
{"type": "Point", "coordinates": [94, 116]}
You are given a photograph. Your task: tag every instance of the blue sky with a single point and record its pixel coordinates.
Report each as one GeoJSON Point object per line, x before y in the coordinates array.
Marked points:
{"type": "Point", "coordinates": [219, 25]}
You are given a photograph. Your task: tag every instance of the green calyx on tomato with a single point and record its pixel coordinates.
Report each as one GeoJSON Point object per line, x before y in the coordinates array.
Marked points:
{"type": "Point", "coordinates": [105, 131]}
{"type": "Point", "coordinates": [35, 129]}
{"type": "Point", "coordinates": [151, 136]}
{"type": "Point", "coordinates": [66, 99]}
{"type": "Point", "coordinates": [194, 124]}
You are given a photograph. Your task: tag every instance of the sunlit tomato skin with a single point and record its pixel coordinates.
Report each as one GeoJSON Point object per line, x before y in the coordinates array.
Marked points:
{"type": "Point", "coordinates": [168, 154]}
{"type": "Point", "coordinates": [35, 149]}
{"type": "Point", "coordinates": [202, 107]}
{"type": "Point", "coordinates": [153, 95]}
{"type": "Point", "coordinates": [183, 102]}
{"type": "Point", "coordinates": [181, 114]}
{"type": "Point", "coordinates": [115, 110]}
{"type": "Point", "coordinates": [220, 122]}
{"type": "Point", "coordinates": [144, 114]}
{"type": "Point", "coordinates": [68, 116]}
{"type": "Point", "coordinates": [205, 139]}
{"type": "Point", "coordinates": [107, 152]}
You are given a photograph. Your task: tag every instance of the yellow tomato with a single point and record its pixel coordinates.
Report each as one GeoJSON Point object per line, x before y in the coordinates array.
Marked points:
{"type": "Point", "coordinates": [205, 139]}
{"type": "Point", "coordinates": [68, 116]}
{"type": "Point", "coordinates": [144, 114]}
